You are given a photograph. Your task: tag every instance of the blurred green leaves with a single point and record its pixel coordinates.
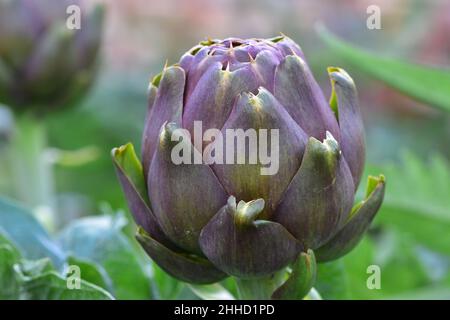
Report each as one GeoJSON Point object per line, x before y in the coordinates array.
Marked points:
{"type": "Point", "coordinates": [110, 263]}
{"type": "Point", "coordinates": [332, 280]}
{"type": "Point", "coordinates": [427, 84]}
{"type": "Point", "coordinates": [26, 233]}
{"type": "Point", "coordinates": [92, 272]}
{"type": "Point", "coordinates": [38, 280]}
{"type": "Point", "coordinates": [51, 286]}
{"type": "Point", "coordinates": [165, 287]}
{"type": "Point", "coordinates": [107, 259]}
{"type": "Point", "coordinates": [417, 200]}
{"type": "Point", "coordinates": [9, 256]}
{"type": "Point", "coordinates": [100, 240]}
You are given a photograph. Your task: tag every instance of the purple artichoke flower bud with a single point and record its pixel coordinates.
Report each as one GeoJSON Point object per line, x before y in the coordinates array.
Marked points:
{"type": "Point", "coordinates": [44, 64]}
{"type": "Point", "coordinates": [203, 222]}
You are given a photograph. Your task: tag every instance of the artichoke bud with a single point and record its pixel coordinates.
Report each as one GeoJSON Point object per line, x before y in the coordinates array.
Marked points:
{"type": "Point", "coordinates": [190, 219]}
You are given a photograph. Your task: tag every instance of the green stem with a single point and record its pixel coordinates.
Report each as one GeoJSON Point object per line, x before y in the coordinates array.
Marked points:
{"type": "Point", "coordinates": [259, 288]}
{"type": "Point", "coordinates": [31, 169]}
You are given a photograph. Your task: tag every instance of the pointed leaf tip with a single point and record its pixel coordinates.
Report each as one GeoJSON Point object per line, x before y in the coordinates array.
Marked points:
{"type": "Point", "coordinates": [120, 153]}
{"type": "Point", "coordinates": [372, 183]}
{"type": "Point", "coordinates": [129, 166]}
{"type": "Point", "coordinates": [338, 73]}
{"type": "Point", "coordinates": [247, 212]}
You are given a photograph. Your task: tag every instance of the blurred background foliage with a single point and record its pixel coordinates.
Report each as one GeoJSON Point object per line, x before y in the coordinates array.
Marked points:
{"type": "Point", "coordinates": [405, 101]}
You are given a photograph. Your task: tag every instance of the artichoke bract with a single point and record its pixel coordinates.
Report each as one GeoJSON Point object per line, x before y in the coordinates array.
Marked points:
{"type": "Point", "coordinates": [44, 64]}
{"type": "Point", "coordinates": [204, 222]}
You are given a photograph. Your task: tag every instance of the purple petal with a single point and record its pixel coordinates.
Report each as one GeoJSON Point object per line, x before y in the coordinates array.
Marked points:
{"type": "Point", "coordinates": [168, 106]}
{"type": "Point", "coordinates": [319, 196]}
{"type": "Point", "coordinates": [215, 94]}
{"type": "Point", "coordinates": [344, 101]}
{"type": "Point", "coordinates": [184, 267]}
{"type": "Point", "coordinates": [288, 47]}
{"type": "Point", "coordinates": [198, 66]}
{"type": "Point", "coordinates": [151, 97]}
{"type": "Point", "coordinates": [358, 223]}
{"type": "Point", "coordinates": [265, 64]}
{"type": "Point", "coordinates": [184, 196]}
{"type": "Point", "coordinates": [131, 177]}
{"type": "Point", "coordinates": [246, 181]}
{"type": "Point", "coordinates": [299, 93]}
{"type": "Point", "coordinates": [187, 59]}
{"type": "Point", "coordinates": [245, 248]}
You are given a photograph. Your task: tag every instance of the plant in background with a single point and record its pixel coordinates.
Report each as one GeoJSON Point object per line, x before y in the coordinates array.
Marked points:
{"type": "Point", "coordinates": [44, 66]}
{"type": "Point", "coordinates": [202, 223]}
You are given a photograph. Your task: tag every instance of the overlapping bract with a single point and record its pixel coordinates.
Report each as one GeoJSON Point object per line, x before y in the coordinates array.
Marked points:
{"type": "Point", "coordinates": [203, 222]}
{"type": "Point", "coordinates": [45, 65]}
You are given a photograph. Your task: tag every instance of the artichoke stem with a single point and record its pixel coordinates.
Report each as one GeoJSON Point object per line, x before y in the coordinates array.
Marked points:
{"type": "Point", "coordinates": [259, 288]}
{"type": "Point", "coordinates": [31, 169]}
